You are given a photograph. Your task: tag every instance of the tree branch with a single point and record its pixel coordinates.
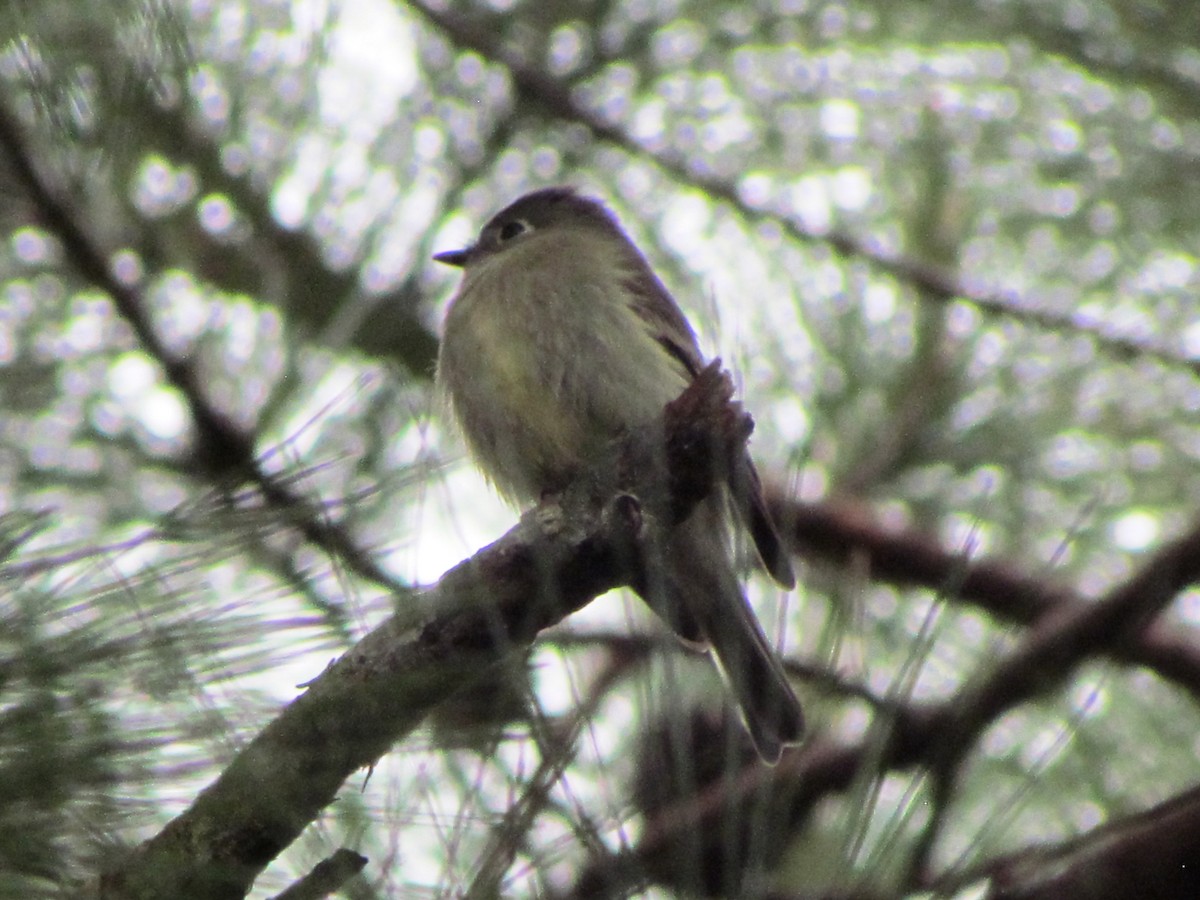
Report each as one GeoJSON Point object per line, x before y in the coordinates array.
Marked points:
{"type": "Point", "coordinates": [326, 877]}
{"type": "Point", "coordinates": [936, 736]}
{"type": "Point", "coordinates": [557, 559]}
{"type": "Point", "coordinates": [936, 283]}
{"type": "Point", "coordinates": [222, 449]}
{"type": "Point", "coordinates": [840, 532]}
{"type": "Point", "coordinates": [1149, 854]}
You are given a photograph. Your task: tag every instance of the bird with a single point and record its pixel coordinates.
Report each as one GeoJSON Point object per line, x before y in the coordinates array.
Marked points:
{"type": "Point", "coordinates": [560, 338]}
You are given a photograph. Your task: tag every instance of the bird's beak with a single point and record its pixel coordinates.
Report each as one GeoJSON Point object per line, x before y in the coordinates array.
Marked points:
{"type": "Point", "coordinates": [456, 258]}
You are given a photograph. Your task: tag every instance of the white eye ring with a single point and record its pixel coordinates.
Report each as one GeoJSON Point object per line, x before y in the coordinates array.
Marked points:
{"type": "Point", "coordinates": [513, 229]}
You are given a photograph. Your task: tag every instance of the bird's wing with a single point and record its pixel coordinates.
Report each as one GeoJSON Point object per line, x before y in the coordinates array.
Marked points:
{"type": "Point", "coordinates": [657, 309]}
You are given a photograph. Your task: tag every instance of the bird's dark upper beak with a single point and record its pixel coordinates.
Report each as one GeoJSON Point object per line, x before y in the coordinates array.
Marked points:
{"type": "Point", "coordinates": [457, 258]}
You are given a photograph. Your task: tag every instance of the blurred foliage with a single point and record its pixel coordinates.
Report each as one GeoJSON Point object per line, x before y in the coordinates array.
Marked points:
{"type": "Point", "coordinates": [270, 179]}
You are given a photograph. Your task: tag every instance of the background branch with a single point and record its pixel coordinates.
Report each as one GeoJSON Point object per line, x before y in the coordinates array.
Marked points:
{"type": "Point", "coordinates": [935, 283]}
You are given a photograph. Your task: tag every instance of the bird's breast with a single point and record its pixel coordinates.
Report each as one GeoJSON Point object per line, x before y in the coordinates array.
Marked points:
{"type": "Point", "coordinates": [545, 361]}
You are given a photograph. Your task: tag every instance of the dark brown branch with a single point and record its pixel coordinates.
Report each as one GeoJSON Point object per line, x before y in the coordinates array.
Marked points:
{"type": "Point", "coordinates": [844, 532]}
{"type": "Point", "coordinates": [1149, 854]}
{"type": "Point", "coordinates": [1066, 636]}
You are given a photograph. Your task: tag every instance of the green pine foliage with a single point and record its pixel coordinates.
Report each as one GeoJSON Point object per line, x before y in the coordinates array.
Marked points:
{"type": "Point", "coordinates": [949, 252]}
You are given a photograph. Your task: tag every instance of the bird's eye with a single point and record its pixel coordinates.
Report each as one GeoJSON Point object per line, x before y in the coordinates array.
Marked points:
{"type": "Point", "coordinates": [510, 230]}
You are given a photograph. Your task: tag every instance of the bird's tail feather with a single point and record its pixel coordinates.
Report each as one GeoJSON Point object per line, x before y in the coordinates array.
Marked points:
{"type": "Point", "coordinates": [705, 602]}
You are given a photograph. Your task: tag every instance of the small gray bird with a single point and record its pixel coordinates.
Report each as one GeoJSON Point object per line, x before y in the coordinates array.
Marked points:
{"type": "Point", "coordinates": [561, 338]}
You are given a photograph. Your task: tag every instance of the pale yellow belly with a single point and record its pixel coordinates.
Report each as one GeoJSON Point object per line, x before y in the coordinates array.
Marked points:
{"type": "Point", "coordinates": [541, 376]}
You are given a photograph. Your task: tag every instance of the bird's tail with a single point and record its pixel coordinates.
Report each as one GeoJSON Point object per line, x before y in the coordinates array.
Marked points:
{"type": "Point", "coordinates": [706, 603]}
